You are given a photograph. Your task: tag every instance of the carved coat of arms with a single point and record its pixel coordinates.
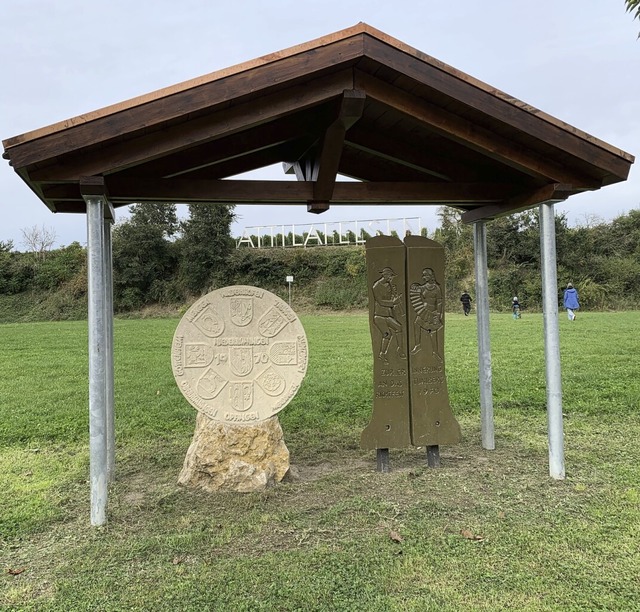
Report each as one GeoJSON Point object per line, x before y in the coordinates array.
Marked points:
{"type": "Point", "coordinates": [241, 310]}
{"type": "Point", "coordinates": [209, 322]}
{"type": "Point", "coordinates": [271, 323]}
{"type": "Point", "coordinates": [210, 384]}
{"type": "Point", "coordinates": [241, 360]}
{"type": "Point", "coordinates": [241, 395]}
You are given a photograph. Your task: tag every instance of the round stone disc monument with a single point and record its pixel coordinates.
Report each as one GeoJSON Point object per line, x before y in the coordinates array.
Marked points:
{"type": "Point", "coordinates": [239, 355]}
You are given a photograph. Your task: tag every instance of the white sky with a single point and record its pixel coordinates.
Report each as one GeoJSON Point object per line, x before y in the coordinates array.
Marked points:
{"type": "Point", "coordinates": [578, 60]}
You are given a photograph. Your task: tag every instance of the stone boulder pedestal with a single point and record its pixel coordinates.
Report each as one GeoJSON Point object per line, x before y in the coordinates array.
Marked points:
{"type": "Point", "coordinates": [241, 458]}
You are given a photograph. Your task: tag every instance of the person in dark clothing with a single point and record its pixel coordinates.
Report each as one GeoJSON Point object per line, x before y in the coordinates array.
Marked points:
{"type": "Point", "coordinates": [571, 302]}
{"type": "Point", "coordinates": [465, 298]}
{"type": "Point", "coordinates": [515, 306]}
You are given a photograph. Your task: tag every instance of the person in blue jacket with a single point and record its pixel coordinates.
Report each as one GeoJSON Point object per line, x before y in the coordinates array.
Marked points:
{"type": "Point", "coordinates": [571, 301]}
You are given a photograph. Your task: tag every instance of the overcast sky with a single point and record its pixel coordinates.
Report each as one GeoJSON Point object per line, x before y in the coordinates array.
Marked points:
{"type": "Point", "coordinates": [578, 60]}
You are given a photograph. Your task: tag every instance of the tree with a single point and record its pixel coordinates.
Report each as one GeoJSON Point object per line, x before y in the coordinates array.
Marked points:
{"type": "Point", "coordinates": [157, 214]}
{"type": "Point", "coordinates": [457, 239]}
{"type": "Point", "coordinates": [205, 245]}
{"type": "Point", "coordinates": [38, 240]}
{"type": "Point", "coordinates": [144, 263]}
{"type": "Point", "coordinates": [633, 7]}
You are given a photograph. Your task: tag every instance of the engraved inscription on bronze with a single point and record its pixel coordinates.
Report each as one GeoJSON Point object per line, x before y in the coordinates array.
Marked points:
{"type": "Point", "coordinates": [239, 354]}
{"type": "Point", "coordinates": [406, 319]}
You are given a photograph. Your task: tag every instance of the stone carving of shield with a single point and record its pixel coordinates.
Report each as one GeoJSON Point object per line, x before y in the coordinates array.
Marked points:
{"type": "Point", "coordinates": [210, 384]}
{"type": "Point", "coordinates": [284, 353]}
{"type": "Point", "coordinates": [271, 382]}
{"type": "Point", "coordinates": [271, 323]}
{"type": "Point", "coordinates": [241, 359]}
{"type": "Point", "coordinates": [241, 395]}
{"type": "Point", "coordinates": [197, 355]}
{"type": "Point", "coordinates": [209, 322]}
{"type": "Point", "coordinates": [241, 310]}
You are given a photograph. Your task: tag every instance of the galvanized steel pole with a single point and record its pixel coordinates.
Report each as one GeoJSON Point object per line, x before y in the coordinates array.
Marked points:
{"type": "Point", "coordinates": [484, 343]}
{"type": "Point", "coordinates": [551, 339]}
{"type": "Point", "coordinates": [109, 386]}
{"type": "Point", "coordinates": [97, 360]}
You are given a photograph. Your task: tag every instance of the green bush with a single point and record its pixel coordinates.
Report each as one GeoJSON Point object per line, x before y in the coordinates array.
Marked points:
{"type": "Point", "coordinates": [341, 294]}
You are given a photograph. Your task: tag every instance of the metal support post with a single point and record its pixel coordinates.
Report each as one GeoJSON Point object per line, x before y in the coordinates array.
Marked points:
{"type": "Point", "coordinates": [382, 460]}
{"type": "Point", "coordinates": [433, 456]}
{"type": "Point", "coordinates": [484, 343]}
{"type": "Point", "coordinates": [97, 360]}
{"type": "Point", "coordinates": [551, 340]}
{"type": "Point", "coordinates": [109, 385]}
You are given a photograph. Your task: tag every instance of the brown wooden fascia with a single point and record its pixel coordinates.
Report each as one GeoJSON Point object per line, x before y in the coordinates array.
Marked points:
{"type": "Point", "coordinates": [155, 144]}
{"type": "Point", "coordinates": [259, 81]}
{"type": "Point", "coordinates": [503, 108]}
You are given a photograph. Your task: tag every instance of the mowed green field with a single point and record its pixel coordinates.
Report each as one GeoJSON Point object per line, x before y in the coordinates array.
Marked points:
{"type": "Point", "coordinates": [489, 530]}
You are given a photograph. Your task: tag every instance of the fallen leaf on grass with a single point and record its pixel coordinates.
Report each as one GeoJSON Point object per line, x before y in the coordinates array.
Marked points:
{"type": "Point", "coordinates": [177, 560]}
{"type": "Point", "coordinates": [395, 536]}
{"type": "Point", "coordinates": [16, 572]}
{"type": "Point", "coordinates": [465, 533]}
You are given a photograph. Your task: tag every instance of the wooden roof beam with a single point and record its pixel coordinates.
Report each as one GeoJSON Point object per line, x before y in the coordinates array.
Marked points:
{"type": "Point", "coordinates": [130, 190]}
{"type": "Point", "coordinates": [328, 160]}
{"type": "Point", "coordinates": [196, 96]}
{"type": "Point", "coordinates": [373, 142]}
{"type": "Point", "coordinates": [469, 134]}
{"type": "Point", "coordinates": [500, 106]}
{"type": "Point", "coordinates": [555, 192]}
{"type": "Point", "coordinates": [93, 186]}
{"type": "Point", "coordinates": [252, 161]}
{"type": "Point", "coordinates": [223, 150]}
{"type": "Point", "coordinates": [128, 153]}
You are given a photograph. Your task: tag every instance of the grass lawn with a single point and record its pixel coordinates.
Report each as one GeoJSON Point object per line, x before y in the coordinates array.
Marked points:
{"type": "Point", "coordinates": [489, 530]}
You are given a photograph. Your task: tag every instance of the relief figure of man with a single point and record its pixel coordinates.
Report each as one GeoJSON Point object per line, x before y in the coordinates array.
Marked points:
{"type": "Point", "coordinates": [426, 299]}
{"type": "Point", "coordinates": [388, 313]}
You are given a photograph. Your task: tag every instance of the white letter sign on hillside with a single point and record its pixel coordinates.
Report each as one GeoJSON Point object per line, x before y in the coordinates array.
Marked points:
{"type": "Point", "coordinates": [326, 234]}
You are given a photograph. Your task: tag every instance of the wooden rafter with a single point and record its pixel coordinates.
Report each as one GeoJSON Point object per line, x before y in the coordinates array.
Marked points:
{"type": "Point", "coordinates": [128, 153]}
{"type": "Point", "coordinates": [468, 134]}
{"type": "Point", "coordinates": [222, 150]}
{"type": "Point", "coordinates": [380, 145]}
{"type": "Point", "coordinates": [496, 104]}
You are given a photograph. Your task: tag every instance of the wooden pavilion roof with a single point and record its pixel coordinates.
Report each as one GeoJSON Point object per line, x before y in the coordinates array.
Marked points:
{"type": "Point", "coordinates": [356, 103]}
